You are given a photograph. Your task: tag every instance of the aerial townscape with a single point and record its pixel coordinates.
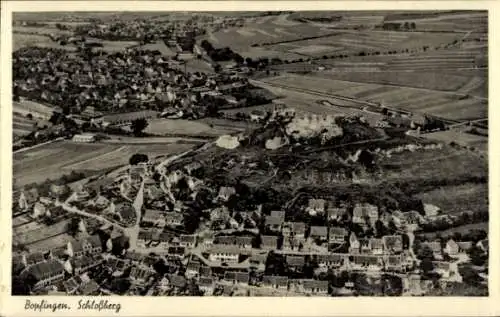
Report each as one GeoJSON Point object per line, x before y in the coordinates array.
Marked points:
{"type": "Point", "coordinates": [322, 153]}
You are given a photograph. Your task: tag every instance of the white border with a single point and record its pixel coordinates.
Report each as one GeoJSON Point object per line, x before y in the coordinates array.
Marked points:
{"type": "Point", "coordinates": [297, 306]}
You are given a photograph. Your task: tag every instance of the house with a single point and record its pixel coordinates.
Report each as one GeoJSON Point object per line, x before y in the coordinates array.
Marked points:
{"type": "Point", "coordinates": [436, 248]}
{"type": "Point", "coordinates": [316, 207]}
{"type": "Point", "coordinates": [155, 217]}
{"type": "Point", "coordinates": [464, 247]}
{"type": "Point", "coordinates": [451, 248]}
{"type": "Point", "coordinates": [90, 245]}
{"type": "Point", "coordinates": [84, 263]}
{"type": "Point", "coordinates": [187, 240]}
{"type": "Point", "coordinates": [134, 257]}
{"type": "Point", "coordinates": [71, 286]}
{"type": "Point", "coordinates": [278, 214]}
{"type": "Point", "coordinates": [45, 273]}
{"type": "Point", "coordinates": [164, 239]}
{"type": "Point", "coordinates": [33, 258]}
{"type": "Point", "coordinates": [225, 193]}
{"type": "Point", "coordinates": [173, 219]}
{"type": "Point", "coordinates": [244, 242]}
{"type": "Point", "coordinates": [101, 202]}
{"type": "Point", "coordinates": [394, 263]}
{"type": "Point", "coordinates": [269, 243]}
{"type": "Point", "coordinates": [206, 285]}
{"type": "Point", "coordinates": [354, 245]}
{"type": "Point", "coordinates": [140, 275]}
{"type": "Point", "coordinates": [279, 282]}
{"type": "Point", "coordinates": [274, 223]}
{"type": "Point", "coordinates": [84, 138]}
{"type": "Point", "coordinates": [431, 210]}
{"type": "Point", "coordinates": [205, 271]}
{"type": "Point", "coordinates": [225, 254]}
{"type": "Point", "coordinates": [333, 260]}
{"type": "Point", "coordinates": [298, 231]}
{"type": "Point", "coordinates": [365, 246]}
{"type": "Point", "coordinates": [192, 269]}
{"type": "Point", "coordinates": [335, 213]}
{"type": "Point", "coordinates": [443, 268]}
{"type": "Point", "coordinates": [176, 282]}
{"type": "Point", "coordinates": [315, 287]}
{"type": "Point", "coordinates": [89, 288]}
{"type": "Point", "coordinates": [192, 167]}
{"type": "Point", "coordinates": [241, 278]}
{"type": "Point", "coordinates": [295, 262]}
{"type": "Point", "coordinates": [393, 244]}
{"type": "Point", "coordinates": [337, 235]}
{"type": "Point", "coordinates": [483, 245]}
{"type": "Point", "coordinates": [59, 189]}
{"type": "Point", "coordinates": [319, 233]}
{"type": "Point", "coordinates": [144, 238]}
{"type": "Point", "coordinates": [39, 210]}
{"type": "Point", "coordinates": [376, 246]}
{"type": "Point", "coordinates": [366, 262]}
{"type": "Point", "coordinates": [364, 212]}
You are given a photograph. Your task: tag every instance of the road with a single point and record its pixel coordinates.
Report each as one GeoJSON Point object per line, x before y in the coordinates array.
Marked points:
{"type": "Point", "coordinates": [77, 211]}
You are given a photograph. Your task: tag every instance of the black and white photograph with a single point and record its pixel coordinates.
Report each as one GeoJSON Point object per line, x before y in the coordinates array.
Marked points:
{"type": "Point", "coordinates": [250, 153]}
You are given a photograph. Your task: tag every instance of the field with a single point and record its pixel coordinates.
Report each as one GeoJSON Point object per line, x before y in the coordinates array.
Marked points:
{"type": "Point", "coordinates": [456, 199]}
{"type": "Point", "coordinates": [193, 66]}
{"type": "Point", "coordinates": [305, 103]}
{"type": "Point", "coordinates": [352, 42]}
{"type": "Point", "coordinates": [184, 127]}
{"type": "Point", "coordinates": [447, 163]}
{"type": "Point", "coordinates": [445, 22]}
{"type": "Point", "coordinates": [263, 30]}
{"type": "Point", "coordinates": [434, 102]}
{"type": "Point", "coordinates": [248, 110]}
{"type": "Point", "coordinates": [40, 30]}
{"type": "Point", "coordinates": [21, 125]}
{"type": "Point", "coordinates": [158, 46]}
{"type": "Point", "coordinates": [53, 160]}
{"type": "Point", "coordinates": [34, 233]}
{"type": "Point", "coordinates": [37, 110]}
{"type": "Point", "coordinates": [26, 40]}
{"type": "Point", "coordinates": [464, 139]}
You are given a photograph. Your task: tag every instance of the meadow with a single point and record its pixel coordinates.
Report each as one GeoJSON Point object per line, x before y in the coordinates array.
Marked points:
{"type": "Point", "coordinates": [53, 160]}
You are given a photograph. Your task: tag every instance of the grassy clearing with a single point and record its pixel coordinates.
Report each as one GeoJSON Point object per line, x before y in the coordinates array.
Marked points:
{"type": "Point", "coordinates": [456, 199]}
{"type": "Point", "coordinates": [444, 164]}
{"type": "Point", "coordinates": [48, 162]}
{"type": "Point", "coordinates": [182, 127]}
{"type": "Point", "coordinates": [461, 229]}
{"type": "Point", "coordinates": [26, 40]}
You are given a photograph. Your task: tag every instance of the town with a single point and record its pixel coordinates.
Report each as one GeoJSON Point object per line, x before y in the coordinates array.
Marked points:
{"type": "Point", "coordinates": [202, 171]}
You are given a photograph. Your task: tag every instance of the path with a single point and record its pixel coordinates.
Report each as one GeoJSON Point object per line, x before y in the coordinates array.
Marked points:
{"type": "Point", "coordinates": [77, 211]}
{"type": "Point", "coordinates": [38, 145]}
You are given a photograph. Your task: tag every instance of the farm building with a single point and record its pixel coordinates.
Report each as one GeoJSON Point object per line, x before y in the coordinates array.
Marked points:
{"type": "Point", "coordinates": [84, 138]}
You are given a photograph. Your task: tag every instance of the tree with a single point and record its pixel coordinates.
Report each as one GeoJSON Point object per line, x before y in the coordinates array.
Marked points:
{"type": "Point", "coordinates": [138, 158]}
{"type": "Point", "coordinates": [138, 126]}
{"type": "Point", "coordinates": [477, 256]}
{"type": "Point", "coordinates": [73, 226]}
